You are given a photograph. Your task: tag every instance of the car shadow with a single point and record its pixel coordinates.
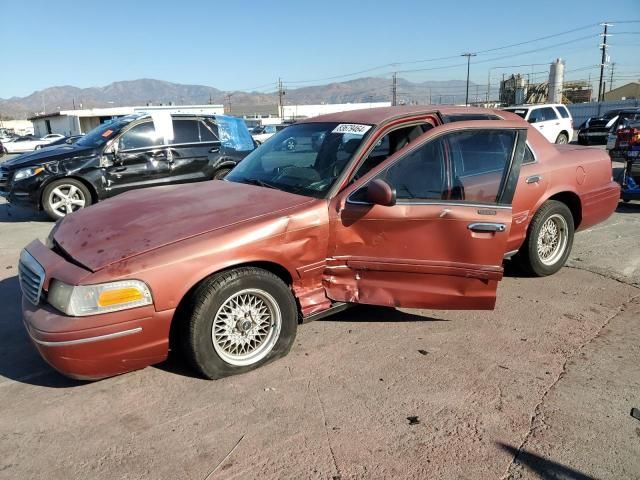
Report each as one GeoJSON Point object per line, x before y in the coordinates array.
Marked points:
{"type": "Point", "coordinates": [543, 467]}
{"type": "Point", "coordinates": [630, 207]}
{"type": "Point", "coordinates": [19, 360]}
{"type": "Point", "coordinates": [13, 213]}
{"type": "Point", "coordinates": [375, 314]}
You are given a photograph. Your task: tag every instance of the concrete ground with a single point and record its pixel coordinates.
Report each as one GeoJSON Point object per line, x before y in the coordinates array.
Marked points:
{"type": "Point", "coordinates": [539, 388]}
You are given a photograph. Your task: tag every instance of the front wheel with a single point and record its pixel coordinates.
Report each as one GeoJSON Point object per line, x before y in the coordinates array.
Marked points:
{"type": "Point", "coordinates": [65, 196]}
{"type": "Point", "coordinates": [549, 240]}
{"type": "Point", "coordinates": [239, 320]}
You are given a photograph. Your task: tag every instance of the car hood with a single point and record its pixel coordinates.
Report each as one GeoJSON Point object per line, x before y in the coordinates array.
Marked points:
{"type": "Point", "coordinates": [137, 222]}
{"type": "Point", "coordinates": [48, 154]}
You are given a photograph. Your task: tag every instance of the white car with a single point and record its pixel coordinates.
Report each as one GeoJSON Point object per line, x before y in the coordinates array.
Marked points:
{"type": "Point", "coordinates": [265, 132]}
{"type": "Point", "coordinates": [25, 144]}
{"type": "Point", "coordinates": [553, 121]}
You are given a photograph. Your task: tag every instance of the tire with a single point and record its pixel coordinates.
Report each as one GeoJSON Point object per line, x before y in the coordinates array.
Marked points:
{"type": "Point", "coordinates": [547, 260]}
{"type": "Point", "coordinates": [220, 174]}
{"type": "Point", "coordinates": [219, 353]}
{"type": "Point", "coordinates": [72, 193]}
{"type": "Point", "coordinates": [583, 141]}
{"type": "Point", "coordinates": [562, 138]}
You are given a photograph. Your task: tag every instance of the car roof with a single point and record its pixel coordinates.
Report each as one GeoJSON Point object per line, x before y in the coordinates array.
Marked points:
{"type": "Point", "coordinates": [379, 115]}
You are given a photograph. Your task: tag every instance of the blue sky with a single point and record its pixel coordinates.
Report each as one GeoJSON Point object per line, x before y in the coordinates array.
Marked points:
{"type": "Point", "coordinates": [237, 45]}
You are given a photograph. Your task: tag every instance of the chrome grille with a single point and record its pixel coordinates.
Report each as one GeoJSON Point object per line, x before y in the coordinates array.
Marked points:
{"type": "Point", "coordinates": [31, 275]}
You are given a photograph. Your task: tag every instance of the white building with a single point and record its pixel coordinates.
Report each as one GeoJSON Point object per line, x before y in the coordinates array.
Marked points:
{"type": "Point", "coordinates": [76, 122]}
{"type": "Point", "coordinates": [294, 112]}
{"type": "Point", "coordinates": [19, 127]}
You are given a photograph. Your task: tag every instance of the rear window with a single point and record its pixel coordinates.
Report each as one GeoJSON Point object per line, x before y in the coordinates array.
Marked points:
{"type": "Point", "coordinates": [521, 112]}
{"type": "Point", "coordinates": [564, 113]}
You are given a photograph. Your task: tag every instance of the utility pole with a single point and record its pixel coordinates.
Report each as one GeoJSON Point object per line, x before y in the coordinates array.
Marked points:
{"type": "Point", "coordinates": [468, 55]}
{"type": "Point", "coordinates": [229, 95]}
{"type": "Point", "coordinates": [429, 95]}
{"type": "Point", "coordinates": [280, 99]}
{"type": "Point", "coordinates": [603, 60]}
{"type": "Point", "coordinates": [394, 90]}
{"type": "Point", "coordinates": [613, 64]}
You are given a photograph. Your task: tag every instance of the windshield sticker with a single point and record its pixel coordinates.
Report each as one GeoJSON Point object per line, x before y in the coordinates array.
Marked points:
{"type": "Point", "coordinates": [353, 128]}
{"type": "Point", "coordinates": [107, 133]}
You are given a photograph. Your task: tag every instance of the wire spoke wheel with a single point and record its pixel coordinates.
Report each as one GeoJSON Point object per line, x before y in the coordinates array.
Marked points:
{"type": "Point", "coordinates": [552, 239]}
{"type": "Point", "coordinates": [246, 327]}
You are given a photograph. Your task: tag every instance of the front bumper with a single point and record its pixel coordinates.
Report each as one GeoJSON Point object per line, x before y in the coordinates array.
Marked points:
{"type": "Point", "coordinates": [25, 192]}
{"type": "Point", "coordinates": [99, 352]}
{"type": "Point", "coordinates": [97, 346]}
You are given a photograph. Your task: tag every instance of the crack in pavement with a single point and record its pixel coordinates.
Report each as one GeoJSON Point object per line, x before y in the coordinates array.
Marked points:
{"type": "Point", "coordinates": [326, 431]}
{"type": "Point", "coordinates": [609, 276]}
{"type": "Point", "coordinates": [537, 411]}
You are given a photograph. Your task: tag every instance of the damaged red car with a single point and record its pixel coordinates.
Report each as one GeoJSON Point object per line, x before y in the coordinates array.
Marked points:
{"type": "Point", "coordinates": [405, 206]}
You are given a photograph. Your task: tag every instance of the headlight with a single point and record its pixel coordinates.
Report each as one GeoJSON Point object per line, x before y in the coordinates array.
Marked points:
{"type": "Point", "coordinates": [27, 172]}
{"type": "Point", "coordinates": [83, 300]}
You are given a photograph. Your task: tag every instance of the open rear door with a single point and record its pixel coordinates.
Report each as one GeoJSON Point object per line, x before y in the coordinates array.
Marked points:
{"type": "Point", "coordinates": [442, 244]}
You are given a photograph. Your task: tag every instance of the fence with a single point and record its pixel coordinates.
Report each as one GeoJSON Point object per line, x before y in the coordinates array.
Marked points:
{"type": "Point", "coordinates": [581, 111]}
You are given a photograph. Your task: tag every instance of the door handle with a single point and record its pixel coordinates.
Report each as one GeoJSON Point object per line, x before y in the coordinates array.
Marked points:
{"type": "Point", "coordinates": [487, 227]}
{"type": "Point", "coordinates": [120, 169]}
{"type": "Point", "coordinates": [157, 155]}
{"type": "Point", "coordinates": [533, 179]}
{"type": "Point", "coordinates": [214, 150]}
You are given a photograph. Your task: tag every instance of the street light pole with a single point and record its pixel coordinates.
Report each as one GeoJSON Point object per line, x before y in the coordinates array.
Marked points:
{"type": "Point", "coordinates": [468, 55]}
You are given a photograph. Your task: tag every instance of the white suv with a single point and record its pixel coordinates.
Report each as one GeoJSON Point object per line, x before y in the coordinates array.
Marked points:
{"type": "Point", "coordinates": [553, 121]}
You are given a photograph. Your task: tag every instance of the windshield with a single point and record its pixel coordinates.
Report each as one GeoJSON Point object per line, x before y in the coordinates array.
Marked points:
{"type": "Point", "coordinates": [521, 112]}
{"type": "Point", "coordinates": [304, 158]}
{"type": "Point", "coordinates": [102, 133]}
{"type": "Point", "coordinates": [611, 114]}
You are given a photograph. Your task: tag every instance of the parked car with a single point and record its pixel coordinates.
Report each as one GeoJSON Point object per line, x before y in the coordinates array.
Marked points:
{"type": "Point", "coordinates": [594, 131]}
{"type": "Point", "coordinates": [397, 207]}
{"type": "Point", "coordinates": [625, 118]}
{"type": "Point", "coordinates": [25, 143]}
{"type": "Point", "coordinates": [123, 155]}
{"type": "Point", "coordinates": [61, 141]}
{"type": "Point", "coordinates": [265, 132]}
{"type": "Point", "coordinates": [2, 150]}
{"type": "Point", "coordinates": [553, 121]}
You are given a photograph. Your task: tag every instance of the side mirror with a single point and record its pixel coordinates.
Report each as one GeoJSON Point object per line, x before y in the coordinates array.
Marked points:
{"type": "Point", "coordinates": [380, 192]}
{"type": "Point", "coordinates": [532, 120]}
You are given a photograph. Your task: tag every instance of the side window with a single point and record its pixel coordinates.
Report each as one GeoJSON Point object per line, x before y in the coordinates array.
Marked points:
{"type": "Point", "coordinates": [185, 131]}
{"type": "Point", "coordinates": [390, 144]}
{"type": "Point", "coordinates": [140, 136]}
{"type": "Point", "coordinates": [548, 113]}
{"type": "Point", "coordinates": [528, 156]}
{"type": "Point", "coordinates": [564, 113]}
{"type": "Point", "coordinates": [535, 116]}
{"type": "Point", "coordinates": [421, 175]}
{"type": "Point", "coordinates": [207, 132]}
{"type": "Point", "coordinates": [480, 159]}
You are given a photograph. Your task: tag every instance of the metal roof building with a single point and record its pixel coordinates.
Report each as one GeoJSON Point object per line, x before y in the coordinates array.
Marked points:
{"type": "Point", "coordinates": [76, 122]}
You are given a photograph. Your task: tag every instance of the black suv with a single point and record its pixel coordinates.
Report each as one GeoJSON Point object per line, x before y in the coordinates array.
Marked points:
{"type": "Point", "coordinates": [127, 153]}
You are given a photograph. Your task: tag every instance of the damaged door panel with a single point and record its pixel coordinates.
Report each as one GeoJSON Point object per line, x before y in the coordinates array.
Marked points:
{"type": "Point", "coordinates": [442, 244]}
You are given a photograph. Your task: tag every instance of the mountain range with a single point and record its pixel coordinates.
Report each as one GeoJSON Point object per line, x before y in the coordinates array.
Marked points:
{"type": "Point", "coordinates": [150, 91]}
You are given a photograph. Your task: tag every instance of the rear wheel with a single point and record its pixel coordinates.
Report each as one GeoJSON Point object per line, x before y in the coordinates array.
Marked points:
{"type": "Point", "coordinates": [65, 196]}
{"type": "Point", "coordinates": [549, 240]}
{"type": "Point", "coordinates": [562, 138]}
{"type": "Point", "coordinates": [220, 174]}
{"type": "Point", "coordinates": [237, 321]}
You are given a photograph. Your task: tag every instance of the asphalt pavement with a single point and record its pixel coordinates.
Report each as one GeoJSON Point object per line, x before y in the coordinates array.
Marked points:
{"type": "Point", "coordinates": [541, 387]}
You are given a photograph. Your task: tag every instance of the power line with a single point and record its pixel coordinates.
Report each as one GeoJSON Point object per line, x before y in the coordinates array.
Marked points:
{"type": "Point", "coordinates": [395, 64]}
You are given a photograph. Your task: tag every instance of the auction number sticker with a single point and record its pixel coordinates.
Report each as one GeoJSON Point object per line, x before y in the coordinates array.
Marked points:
{"type": "Point", "coordinates": [352, 128]}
